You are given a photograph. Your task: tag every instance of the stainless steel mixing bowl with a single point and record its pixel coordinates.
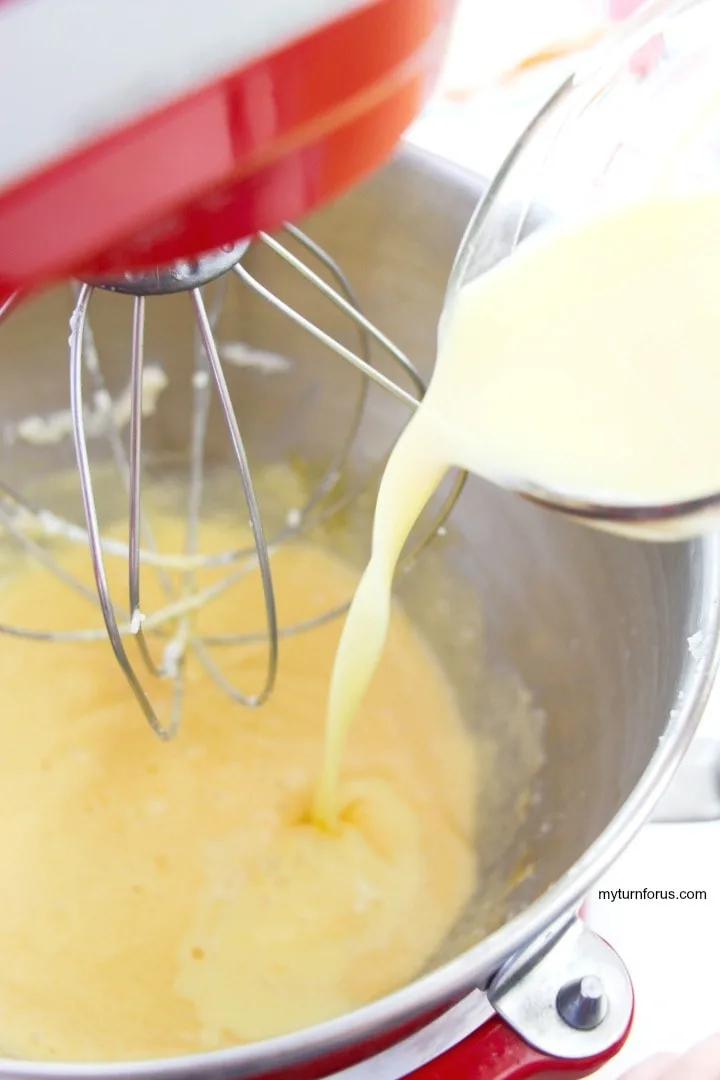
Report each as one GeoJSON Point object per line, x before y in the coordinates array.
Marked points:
{"type": "Point", "coordinates": [595, 627]}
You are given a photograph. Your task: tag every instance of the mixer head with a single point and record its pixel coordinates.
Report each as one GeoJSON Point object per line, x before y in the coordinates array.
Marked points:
{"type": "Point", "coordinates": [146, 131]}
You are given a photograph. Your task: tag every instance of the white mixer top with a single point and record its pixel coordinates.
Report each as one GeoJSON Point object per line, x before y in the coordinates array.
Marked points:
{"type": "Point", "coordinates": [111, 61]}
{"type": "Point", "coordinates": [145, 132]}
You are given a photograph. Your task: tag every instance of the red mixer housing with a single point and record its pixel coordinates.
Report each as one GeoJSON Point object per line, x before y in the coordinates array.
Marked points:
{"type": "Point", "coordinates": [139, 132]}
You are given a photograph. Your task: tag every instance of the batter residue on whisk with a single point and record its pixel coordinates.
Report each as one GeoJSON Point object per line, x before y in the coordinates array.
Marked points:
{"type": "Point", "coordinates": [168, 898]}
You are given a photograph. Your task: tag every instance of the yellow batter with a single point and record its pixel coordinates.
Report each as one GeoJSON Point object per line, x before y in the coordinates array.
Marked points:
{"type": "Point", "coordinates": [159, 899]}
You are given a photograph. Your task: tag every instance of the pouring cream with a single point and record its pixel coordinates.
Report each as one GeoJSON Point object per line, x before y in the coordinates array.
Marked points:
{"type": "Point", "coordinates": [588, 365]}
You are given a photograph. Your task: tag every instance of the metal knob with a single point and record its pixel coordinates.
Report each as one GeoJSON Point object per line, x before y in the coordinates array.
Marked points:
{"type": "Point", "coordinates": [179, 277]}
{"type": "Point", "coordinates": [582, 1003]}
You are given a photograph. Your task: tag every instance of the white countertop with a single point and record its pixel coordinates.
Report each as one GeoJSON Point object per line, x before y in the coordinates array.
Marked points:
{"type": "Point", "coordinates": [671, 948]}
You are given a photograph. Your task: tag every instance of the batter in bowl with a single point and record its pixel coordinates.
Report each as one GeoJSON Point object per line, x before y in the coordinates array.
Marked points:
{"type": "Point", "coordinates": [160, 899]}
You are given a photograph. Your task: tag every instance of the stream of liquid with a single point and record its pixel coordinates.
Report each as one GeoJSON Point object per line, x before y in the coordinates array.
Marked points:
{"type": "Point", "coordinates": [587, 364]}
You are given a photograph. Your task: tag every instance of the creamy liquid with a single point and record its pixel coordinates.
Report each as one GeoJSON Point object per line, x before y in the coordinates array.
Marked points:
{"type": "Point", "coordinates": [587, 364]}
{"type": "Point", "coordinates": [168, 898]}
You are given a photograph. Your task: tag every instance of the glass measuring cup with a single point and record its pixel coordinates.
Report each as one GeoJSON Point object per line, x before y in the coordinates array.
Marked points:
{"type": "Point", "coordinates": [610, 134]}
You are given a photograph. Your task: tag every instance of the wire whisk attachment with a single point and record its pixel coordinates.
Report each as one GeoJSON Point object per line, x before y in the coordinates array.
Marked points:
{"type": "Point", "coordinates": [133, 633]}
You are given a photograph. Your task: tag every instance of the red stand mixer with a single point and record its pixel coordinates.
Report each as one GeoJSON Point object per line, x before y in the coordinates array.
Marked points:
{"type": "Point", "coordinates": [179, 128]}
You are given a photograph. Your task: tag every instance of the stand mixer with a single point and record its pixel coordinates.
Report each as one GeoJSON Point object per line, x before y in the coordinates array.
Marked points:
{"type": "Point", "coordinates": [266, 144]}
{"type": "Point", "coordinates": [159, 184]}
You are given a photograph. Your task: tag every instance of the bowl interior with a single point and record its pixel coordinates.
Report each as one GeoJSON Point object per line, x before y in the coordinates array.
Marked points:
{"type": "Point", "coordinates": [567, 647]}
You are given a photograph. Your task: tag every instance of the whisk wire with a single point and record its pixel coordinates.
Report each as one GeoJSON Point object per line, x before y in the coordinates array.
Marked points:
{"type": "Point", "coordinates": [256, 524]}
{"type": "Point", "coordinates": [357, 316]}
{"type": "Point", "coordinates": [327, 339]}
{"type": "Point", "coordinates": [9, 304]}
{"type": "Point", "coordinates": [136, 374]}
{"type": "Point", "coordinates": [77, 327]}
